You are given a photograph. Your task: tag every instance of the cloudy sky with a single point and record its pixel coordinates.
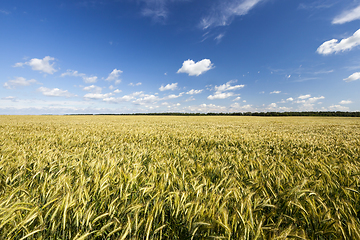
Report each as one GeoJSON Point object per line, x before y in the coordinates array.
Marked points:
{"type": "Point", "coordinates": [128, 56]}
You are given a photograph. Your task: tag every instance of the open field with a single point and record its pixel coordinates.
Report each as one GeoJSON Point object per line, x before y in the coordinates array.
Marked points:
{"type": "Point", "coordinates": [136, 177]}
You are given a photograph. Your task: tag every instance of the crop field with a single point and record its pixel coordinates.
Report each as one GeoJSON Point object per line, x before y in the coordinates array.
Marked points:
{"type": "Point", "coordinates": [165, 177]}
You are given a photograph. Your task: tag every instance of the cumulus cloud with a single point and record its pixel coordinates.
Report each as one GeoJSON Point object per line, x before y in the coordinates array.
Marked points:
{"type": "Point", "coordinates": [93, 89]}
{"type": "Point", "coordinates": [42, 65]}
{"type": "Point", "coordinates": [347, 16]}
{"type": "Point", "coordinates": [290, 99]}
{"type": "Point", "coordinates": [338, 108]}
{"type": "Point", "coordinates": [55, 92]}
{"type": "Point", "coordinates": [345, 102]}
{"type": "Point", "coordinates": [236, 107]}
{"type": "Point", "coordinates": [97, 95]}
{"type": "Point", "coordinates": [334, 46]}
{"type": "Point", "coordinates": [146, 98]}
{"type": "Point", "coordinates": [125, 98]}
{"type": "Point", "coordinates": [195, 69]}
{"type": "Point", "coordinates": [206, 108]}
{"type": "Point", "coordinates": [227, 86]}
{"type": "Point", "coordinates": [169, 86]}
{"type": "Point", "coordinates": [117, 91]}
{"type": "Point", "coordinates": [220, 95]}
{"type": "Point", "coordinates": [304, 96]}
{"type": "Point", "coordinates": [275, 92]}
{"type": "Point", "coordinates": [225, 11]}
{"type": "Point", "coordinates": [193, 91]}
{"type": "Point", "coordinates": [172, 96]}
{"type": "Point", "coordinates": [114, 76]}
{"type": "Point", "coordinates": [19, 82]}
{"type": "Point", "coordinates": [87, 79]}
{"type": "Point", "coordinates": [219, 90]}
{"type": "Point", "coordinates": [353, 77]}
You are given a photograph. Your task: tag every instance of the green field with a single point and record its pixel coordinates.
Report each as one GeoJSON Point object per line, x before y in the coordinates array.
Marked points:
{"type": "Point", "coordinates": [163, 177]}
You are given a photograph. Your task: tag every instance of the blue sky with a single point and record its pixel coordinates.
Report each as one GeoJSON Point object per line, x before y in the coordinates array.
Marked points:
{"type": "Point", "coordinates": [131, 56]}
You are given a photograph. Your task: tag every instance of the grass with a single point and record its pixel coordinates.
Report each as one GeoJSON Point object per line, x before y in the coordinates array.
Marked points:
{"type": "Point", "coordinates": [162, 177]}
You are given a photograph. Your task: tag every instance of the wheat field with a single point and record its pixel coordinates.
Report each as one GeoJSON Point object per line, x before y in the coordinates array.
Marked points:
{"type": "Point", "coordinates": [165, 177]}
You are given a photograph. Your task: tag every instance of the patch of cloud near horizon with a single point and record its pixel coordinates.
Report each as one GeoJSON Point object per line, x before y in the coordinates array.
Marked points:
{"type": "Point", "coordinates": [55, 92]}
{"type": "Point", "coordinates": [169, 86]}
{"type": "Point", "coordinates": [345, 102]}
{"type": "Point", "coordinates": [347, 16]}
{"type": "Point", "coordinates": [19, 82]}
{"type": "Point", "coordinates": [196, 69]}
{"type": "Point", "coordinates": [124, 98]}
{"type": "Point", "coordinates": [42, 65]}
{"type": "Point", "coordinates": [353, 77]}
{"type": "Point", "coordinates": [225, 11]}
{"type": "Point", "coordinates": [73, 73]}
{"type": "Point", "coordinates": [220, 90]}
{"type": "Point", "coordinates": [334, 46]}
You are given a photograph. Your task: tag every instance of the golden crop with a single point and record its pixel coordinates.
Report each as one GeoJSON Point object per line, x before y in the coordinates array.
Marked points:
{"type": "Point", "coordinates": [163, 177]}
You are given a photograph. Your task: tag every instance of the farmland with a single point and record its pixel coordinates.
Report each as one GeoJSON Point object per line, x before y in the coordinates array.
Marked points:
{"type": "Point", "coordinates": [165, 177]}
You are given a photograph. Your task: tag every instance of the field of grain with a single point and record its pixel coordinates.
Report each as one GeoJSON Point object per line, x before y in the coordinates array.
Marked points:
{"type": "Point", "coordinates": [163, 177]}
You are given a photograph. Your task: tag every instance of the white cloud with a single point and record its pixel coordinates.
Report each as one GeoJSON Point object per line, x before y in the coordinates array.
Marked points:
{"type": "Point", "coordinates": [236, 107]}
{"type": "Point", "coordinates": [219, 37]}
{"type": "Point", "coordinates": [9, 98]}
{"type": "Point", "coordinates": [91, 79]}
{"type": "Point", "coordinates": [314, 99]}
{"type": "Point", "coordinates": [146, 98]}
{"type": "Point", "coordinates": [353, 77]}
{"type": "Point", "coordinates": [172, 96]}
{"type": "Point", "coordinates": [55, 92]}
{"type": "Point", "coordinates": [193, 91]}
{"type": "Point", "coordinates": [219, 90]}
{"type": "Point", "coordinates": [290, 99]}
{"type": "Point", "coordinates": [345, 102]}
{"type": "Point", "coordinates": [97, 95]}
{"type": "Point", "coordinates": [226, 11]}
{"type": "Point", "coordinates": [220, 95]}
{"type": "Point", "coordinates": [117, 91]}
{"type": "Point", "coordinates": [93, 89]}
{"type": "Point", "coordinates": [347, 16]}
{"type": "Point", "coordinates": [206, 108]}
{"type": "Point", "coordinates": [169, 86]}
{"type": "Point", "coordinates": [275, 92]}
{"type": "Point", "coordinates": [86, 79]}
{"type": "Point", "coordinates": [125, 98]}
{"type": "Point", "coordinates": [135, 84]}
{"type": "Point", "coordinates": [19, 82]}
{"type": "Point", "coordinates": [338, 108]}
{"type": "Point", "coordinates": [237, 99]}
{"type": "Point", "coordinates": [334, 46]}
{"type": "Point", "coordinates": [228, 87]}
{"type": "Point", "coordinates": [272, 105]}
{"type": "Point", "coordinates": [304, 96]}
{"type": "Point", "coordinates": [195, 69]}
{"type": "Point", "coordinates": [42, 65]}
{"type": "Point", "coordinates": [190, 99]}
{"type": "Point", "coordinates": [114, 76]}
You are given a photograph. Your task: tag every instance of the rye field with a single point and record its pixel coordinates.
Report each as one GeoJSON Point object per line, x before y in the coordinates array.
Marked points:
{"type": "Point", "coordinates": [164, 177]}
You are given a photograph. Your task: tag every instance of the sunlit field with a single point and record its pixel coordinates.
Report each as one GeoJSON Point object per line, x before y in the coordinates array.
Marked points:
{"type": "Point", "coordinates": [164, 177]}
